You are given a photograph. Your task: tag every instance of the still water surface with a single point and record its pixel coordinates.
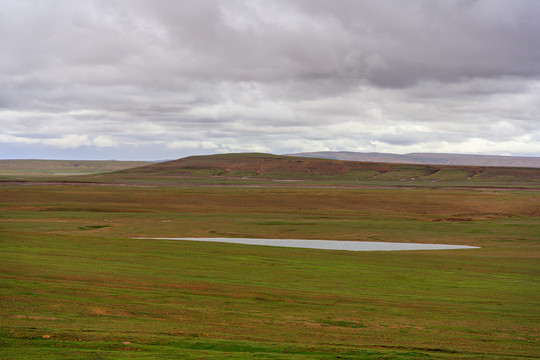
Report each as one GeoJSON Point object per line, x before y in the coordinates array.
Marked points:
{"type": "Point", "coordinates": [330, 244]}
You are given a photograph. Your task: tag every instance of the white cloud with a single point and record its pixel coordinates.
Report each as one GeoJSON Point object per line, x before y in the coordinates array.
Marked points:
{"type": "Point", "coordinates": [280, 76]}
{"type": "Point", "coordinates": [190, 144]}
{"type": "Point", "coordinates": [473, 145]}
{"type": "Point", "coordinates": [104, 141]}
{"type": "Point", "coordinates": [70, 141]}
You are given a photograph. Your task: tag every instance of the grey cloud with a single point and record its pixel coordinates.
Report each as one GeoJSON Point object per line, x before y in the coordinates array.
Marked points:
{"type": "Point", "coordinates": [271, 75]}
{"type": "Point", "coordinates": [445, 40]}
{"type": "Point", "coordinates": [383, 41]}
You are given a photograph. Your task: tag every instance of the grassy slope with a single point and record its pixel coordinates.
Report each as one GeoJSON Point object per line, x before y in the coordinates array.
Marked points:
{"type": "Point", "coordinates": [429, 158]}
{"type": "Point", "coordinates": [74, 284]}
{"type": "Point", "coordinates": [33, 168]}
{"type": "Point", "coordinates": [264, 166]}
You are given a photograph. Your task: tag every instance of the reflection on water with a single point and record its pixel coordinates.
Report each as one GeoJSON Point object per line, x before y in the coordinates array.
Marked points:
{"type": "Point", "coordinates": [330, 244]}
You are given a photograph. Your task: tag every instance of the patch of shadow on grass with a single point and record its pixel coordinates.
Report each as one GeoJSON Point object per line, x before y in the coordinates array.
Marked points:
{"type": "Point", "coordinates": [90, 227]}
{"type": "Point", "coordinates": [284, 223]}
{"type": "Point", "coordinates": [341, 323]}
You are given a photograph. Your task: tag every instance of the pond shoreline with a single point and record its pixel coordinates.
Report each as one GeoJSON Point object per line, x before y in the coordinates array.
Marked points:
{"type": "Point", "coordinates": [325, 244]}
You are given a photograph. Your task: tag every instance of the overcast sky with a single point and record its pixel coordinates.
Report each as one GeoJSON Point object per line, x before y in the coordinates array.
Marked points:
{"type": "Point", "coordinates": [157, 79]}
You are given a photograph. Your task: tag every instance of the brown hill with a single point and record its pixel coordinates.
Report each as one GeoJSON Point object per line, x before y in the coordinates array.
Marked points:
{"type": "Point", "coordinates": [282, 167]}
{"type": "Point", "coordinates": [429, 158]}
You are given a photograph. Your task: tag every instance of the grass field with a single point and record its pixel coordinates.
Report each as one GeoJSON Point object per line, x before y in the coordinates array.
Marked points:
{"type": "Point", "coordinates": [75, 284]}
{"type": "Point", "coordinates": [22, 169]}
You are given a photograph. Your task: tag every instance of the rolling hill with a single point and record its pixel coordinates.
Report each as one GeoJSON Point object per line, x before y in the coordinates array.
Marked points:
{"type": "Point", "coordinates": [256, 166]}
{"type": "Point", "coordinates": [33, 168]}
{"type": "Point", "coordinates": [428, 158]}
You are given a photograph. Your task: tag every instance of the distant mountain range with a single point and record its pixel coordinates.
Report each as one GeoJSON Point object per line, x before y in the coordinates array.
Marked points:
{"type": "Point", "coordinates": [428, 158]}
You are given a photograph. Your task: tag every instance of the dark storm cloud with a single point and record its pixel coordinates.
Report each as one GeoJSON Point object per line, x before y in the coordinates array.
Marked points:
{"type": "Point", "coordinates": [276, 76]}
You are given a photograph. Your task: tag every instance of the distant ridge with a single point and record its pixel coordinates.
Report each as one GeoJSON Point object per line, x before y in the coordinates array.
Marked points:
{"type": "Point", "coordinates": [428, 158]}
{"type": "Point", "coordinates": [268, 167]}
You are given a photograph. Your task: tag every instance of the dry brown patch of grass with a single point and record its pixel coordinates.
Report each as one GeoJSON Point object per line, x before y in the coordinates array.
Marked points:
{"type": "Point", "coordinates": [34, 317]}
{"type": "Point", "coordinates": [102, 311]}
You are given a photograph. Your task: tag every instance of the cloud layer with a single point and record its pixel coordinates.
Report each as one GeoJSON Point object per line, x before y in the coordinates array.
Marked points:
{"type": "Point", "coordinates": [144, 79]}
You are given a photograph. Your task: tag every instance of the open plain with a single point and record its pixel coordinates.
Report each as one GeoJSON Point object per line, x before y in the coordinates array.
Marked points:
{"type": "Point", "coordinates": [75, 283]}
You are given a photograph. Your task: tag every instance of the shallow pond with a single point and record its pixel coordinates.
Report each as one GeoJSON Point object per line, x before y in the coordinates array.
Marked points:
{"type": "Point", "coordinates": [330, 244]}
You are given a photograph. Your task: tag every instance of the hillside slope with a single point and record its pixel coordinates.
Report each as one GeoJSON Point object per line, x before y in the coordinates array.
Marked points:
{"type": "Point", "coordinates": [33, 168]}
{"type": "Point", "coordinates": [428, 158]}
{"type": "Point", "coordinates": [281, 167]}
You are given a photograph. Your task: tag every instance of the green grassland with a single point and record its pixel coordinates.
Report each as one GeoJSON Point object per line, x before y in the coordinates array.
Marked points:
{"type": "Point", "coordinates": [22, 169]}
{"type": "Point", "coordinates": [75, 283]}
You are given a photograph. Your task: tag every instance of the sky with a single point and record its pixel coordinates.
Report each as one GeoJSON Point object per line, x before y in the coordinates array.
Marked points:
{"type": "Point", "coordinates": [160, 79]}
